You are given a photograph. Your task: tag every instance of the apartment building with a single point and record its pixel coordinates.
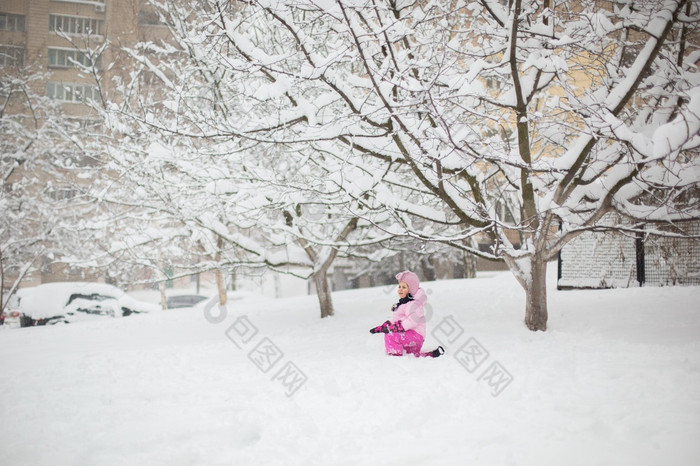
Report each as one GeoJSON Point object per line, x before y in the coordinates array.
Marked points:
{"type": "Point", "coordinates": [54, 42]}
{"type": "Point", "coordinates": [58, 35]}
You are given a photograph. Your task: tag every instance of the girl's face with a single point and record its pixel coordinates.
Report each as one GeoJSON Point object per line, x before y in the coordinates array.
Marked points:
{"type": "Point", "coordinates": [403, 290]}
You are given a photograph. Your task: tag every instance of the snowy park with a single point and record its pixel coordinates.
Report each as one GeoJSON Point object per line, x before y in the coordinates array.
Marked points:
{"type": "Point", "coordinates": [614, 381]}
{"type": "Point", "coordinates": [158, 147]}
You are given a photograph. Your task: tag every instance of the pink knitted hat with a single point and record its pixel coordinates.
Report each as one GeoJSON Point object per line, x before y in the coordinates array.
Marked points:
{"type": "Point", "coordinates": [410, 279]}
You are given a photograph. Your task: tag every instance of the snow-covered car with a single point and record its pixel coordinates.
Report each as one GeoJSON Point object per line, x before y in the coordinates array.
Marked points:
{"type": "Point", "coordinates": [65, 302]}
{"type": "Point", "coordinates": [184, 300]}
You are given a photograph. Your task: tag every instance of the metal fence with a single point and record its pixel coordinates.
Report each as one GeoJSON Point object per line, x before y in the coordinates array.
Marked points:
{"type": "Point", "coordinates": [618, 260]}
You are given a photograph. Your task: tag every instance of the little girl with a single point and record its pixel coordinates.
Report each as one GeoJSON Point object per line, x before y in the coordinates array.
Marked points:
{"type": "Point", "coordinates": [405, 331]}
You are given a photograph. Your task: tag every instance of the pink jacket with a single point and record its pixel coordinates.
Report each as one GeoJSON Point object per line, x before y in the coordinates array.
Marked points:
{"type": "Point", "coordinates": [411, 314]}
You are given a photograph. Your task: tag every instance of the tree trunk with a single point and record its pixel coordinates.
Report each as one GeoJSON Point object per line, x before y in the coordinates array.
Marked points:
{"type": "Point", "coordinates": [469, 265]}
{"type": "Point", "coordinates": [536, 296]}
{"type": "Point", "coordinates": [428, 268]}
{"type": "Point", "coordinates": [220, 282]}
{"type": "Point", "coordinates": [323, 291]}
{"type": "Point", "coordinates": [161, 284]}
{"type": "Point", "coordinates": [163, 297]}
{"type": "Point", "coordinates": [2, 284]}
{"type": "Point", "coordinates": [221, 286]}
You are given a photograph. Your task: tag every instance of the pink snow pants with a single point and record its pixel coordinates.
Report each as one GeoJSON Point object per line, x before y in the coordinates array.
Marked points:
{"type": "Point", "coordinates": [396, 343]}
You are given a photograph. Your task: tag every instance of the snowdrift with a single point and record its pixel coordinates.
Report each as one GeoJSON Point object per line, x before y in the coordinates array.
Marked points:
{"type": "Point", "coordinates": [613, 381]}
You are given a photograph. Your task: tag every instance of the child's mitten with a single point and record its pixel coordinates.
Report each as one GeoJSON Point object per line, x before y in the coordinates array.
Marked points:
{"type": "Point", "coordinates": [384, 328]}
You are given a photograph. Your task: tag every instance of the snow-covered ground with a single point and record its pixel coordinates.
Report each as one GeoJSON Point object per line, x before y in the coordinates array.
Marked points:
{"type": "Point", "coordinates": [614, 381]}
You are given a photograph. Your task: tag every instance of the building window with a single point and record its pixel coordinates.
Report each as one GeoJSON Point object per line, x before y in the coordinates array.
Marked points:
{"type": "Point", "coordinates": [62, 193]}
{"type": "Point", "coordinates": [149, 17]}
{"type": "Point", "coordinates": [76, 25]}
{"type": "Point", "coordinates": [89, 2]}
{"type": "Point", "coordinates": [67, 58]}
{"type": "Point", "coordinates": [11, 56]}
{"type": "Point", "coordinates": [71, 92]}
{"type": "Point", "coordinates": [9, 22]}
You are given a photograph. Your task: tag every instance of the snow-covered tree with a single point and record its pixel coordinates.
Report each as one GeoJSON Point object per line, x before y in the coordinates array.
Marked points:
{"type": "Point", "coordinates": [39, 155]}
{"type": "Point", "coordinates": [523, 122]}
{"type": "Point", "coordinates": [196, 209]}
{"type": "Point", "coordinates": [248, 205]}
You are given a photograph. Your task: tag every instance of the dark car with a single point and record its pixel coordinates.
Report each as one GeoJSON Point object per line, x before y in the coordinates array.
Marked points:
{"type": "Point", "coordinates": [184, 300]}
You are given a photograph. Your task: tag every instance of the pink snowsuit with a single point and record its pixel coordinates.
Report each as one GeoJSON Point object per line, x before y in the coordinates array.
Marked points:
{"type": "Point", "coordinates": [412, 317]}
